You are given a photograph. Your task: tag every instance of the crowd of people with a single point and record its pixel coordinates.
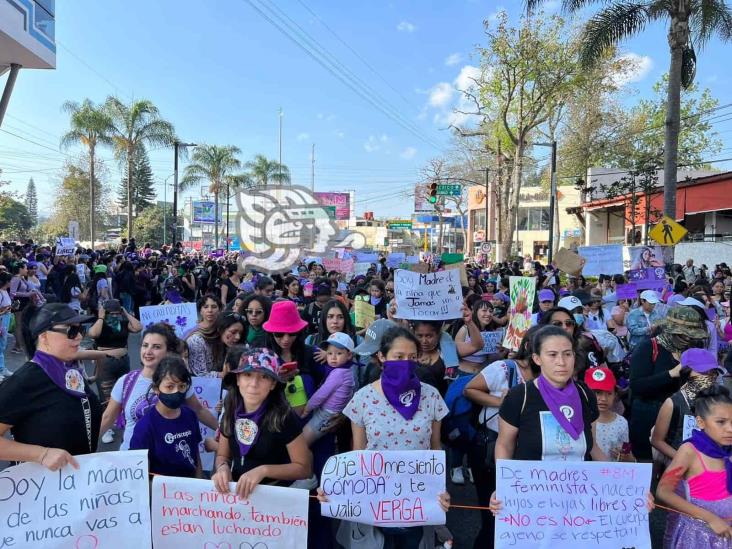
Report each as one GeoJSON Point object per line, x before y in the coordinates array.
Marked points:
{"type": "Point", "coordinates": [304, 382]}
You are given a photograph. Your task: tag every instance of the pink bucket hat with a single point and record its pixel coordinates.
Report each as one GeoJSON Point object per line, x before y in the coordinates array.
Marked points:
{"type": "Point", "coordinates": [284, 318]}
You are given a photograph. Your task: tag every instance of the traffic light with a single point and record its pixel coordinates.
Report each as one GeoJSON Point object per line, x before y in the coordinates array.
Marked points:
{"type": "Point", "coordinates": [433, 193]}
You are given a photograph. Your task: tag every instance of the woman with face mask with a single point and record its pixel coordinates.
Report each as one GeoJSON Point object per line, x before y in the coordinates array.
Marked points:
{"type": "Point", "coordinates": [656, 373]}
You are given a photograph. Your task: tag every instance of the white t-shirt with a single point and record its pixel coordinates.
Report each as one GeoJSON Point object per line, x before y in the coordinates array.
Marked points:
{"type": "Point", "coordinates": [496, 379]}
{"type": "Point", "coordinates": [138, 402]}
{"type": "Point", "coordinates": [611, 436]}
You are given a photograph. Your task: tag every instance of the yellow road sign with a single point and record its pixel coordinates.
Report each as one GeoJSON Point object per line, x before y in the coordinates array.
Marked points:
{"type": "Point", "coordinates": [667, 231]}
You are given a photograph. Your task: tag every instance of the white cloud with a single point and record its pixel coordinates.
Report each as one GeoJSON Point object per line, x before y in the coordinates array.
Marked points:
{"type": "Point", "coordinates": [441, 94]}
{"type": "Point", "coordinates": [637, 68]}
{"type": "Point", "coordinates": [453, 59]}
{"type": "Point", "coordinates": [493, 17]}
{"type": "Point", "coordinates": [303, 136]}
{"type": "Point", "coordinates": [406, 26]}
{"type": "Point", "coordinates": [444, 98]}
{"type": "Point", "coordinates": [372, 144]}
{"type": "Point", "coordinates": [408, 153]}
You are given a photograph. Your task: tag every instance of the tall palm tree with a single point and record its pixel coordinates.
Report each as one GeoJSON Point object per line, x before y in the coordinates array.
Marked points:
{"type": "Point", "coordinates": [215, 164]}
{"type": "Point", "coordinates": [138, 123]}
{"type": "Point", "coordinates": [262, 171]}
{"type": "Point", "coordinates": [90, 126]}
{"type": "Point", "coordinates": [691, 22]}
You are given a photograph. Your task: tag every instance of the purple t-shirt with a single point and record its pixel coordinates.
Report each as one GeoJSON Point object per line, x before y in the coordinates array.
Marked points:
{"type": "Point", "coordinates": [172, 444]}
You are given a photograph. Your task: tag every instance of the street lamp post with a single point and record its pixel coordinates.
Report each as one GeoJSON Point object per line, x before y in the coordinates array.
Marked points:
{"type": "Point", "coordinates": [176, 146]}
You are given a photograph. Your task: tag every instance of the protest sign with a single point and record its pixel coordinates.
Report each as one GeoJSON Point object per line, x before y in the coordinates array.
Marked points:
{"type": "Point", "coordinates": [339, 265]}
{"type": "Point", "coordinates": [428, 296]}
{"type": "Point", "coordinates": [689, 426]}
{"type": "Point", "coordinates": [522, 290]}
{"type": "Point", "coordinates": [207, 391]}
{"type": "Point", "coordinates": [365, 313]}
{"type": "Point", "coordinates": [387, 488]}
{"type": "Point", "coordinates": [361, 268]}
{"type": "Point", "coordinates": [492, 340]}
{"type": "Point", "coordinates": [568, 261]}
{"type": "Point", "coordinates": [461, 268]}
{"type": "Point", "coordinates": [367, 257]}
{"type": "Point", "coordinates": [549, 504]}
{"type": "Point", "coordinates": [183, 317]}
{"type": "Point", "coordinates": [313, 259]}
{"type": "Point", "coordinates": [415, 267]}
{"type": "Point", "coordinates": [97, 505]}
{"type": "Point", "coordinates": [65, 246]}
{"type": "Point", "coordinates": [643, 257]}
{"type": "Point", "coordinates": [189, 513]}
{"type": "Point", "coordinates": [411, 259]}
{"type": "Point", "coordinates": [652, 278]}
{"type": "Point", "coordinates": [599, 260]}
{"type": "Point", "coordinates": [626, 291]}
{"type": "Point", "coordinates": [393, 260]}
{"type": "Point", "coordinates": [451, 259]}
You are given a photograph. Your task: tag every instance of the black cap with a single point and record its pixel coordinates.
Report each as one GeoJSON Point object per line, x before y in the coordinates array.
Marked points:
{"type": "Point", "coordinates": [55, 313]}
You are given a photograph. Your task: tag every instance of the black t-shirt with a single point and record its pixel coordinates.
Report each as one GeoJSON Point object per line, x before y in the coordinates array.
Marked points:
{"type": "Point", "coordinates": [540, 436]}
{"type": "Point", "coordinates": [109, 339]}
{"type": "Point", "coordinates": [433, 374]}
{"type": "Point", "coordinates": [41, 413]}
{"type": "Point", "coordinates": [270, 449]}
{"type": "Point", "coordinates": [650, 379]}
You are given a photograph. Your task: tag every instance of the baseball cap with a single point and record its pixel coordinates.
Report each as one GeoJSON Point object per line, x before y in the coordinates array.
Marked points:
{"type": "Point", "coordinates": [256, 359]}
{"type": "Point", "coordinates": [372, 339]}
{"type": "Point", "coordinates": [100, 269]}
{"type": "Point", "coordinates": [55, 313]}
{"type": "Point", "coordinates": [691, 302]}
{"type": "Point", "coordinates": [600, 379]}
{"type": "Point", "coordinates": [112, 306]}
{"type": "Point", "coordinates": [546, 295]}
{"type": "Point", "coordinates": [339, 340]}
{"type": "Point", "coordinates": [700, 360]}
{"type": "Point", "coordinates": [651, 296]}
{"type": "Point", "coordinates": [569, 302]}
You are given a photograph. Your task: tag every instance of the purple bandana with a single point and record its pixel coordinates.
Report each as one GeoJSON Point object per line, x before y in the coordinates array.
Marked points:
{"type": "Point", "coordinates": [564, 404]}
{"type": "Point", "coordinates": [401, 386]}
{"type": "Point", "coordinates": [246, 427]}
{"type": "Point", "coordinates": [64, 374]}
{"type": "Point", "coordinates": [704, 443]}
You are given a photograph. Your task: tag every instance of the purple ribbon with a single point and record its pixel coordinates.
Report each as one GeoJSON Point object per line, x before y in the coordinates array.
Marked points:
{"type": "Point", "coordinates": [401, 386]}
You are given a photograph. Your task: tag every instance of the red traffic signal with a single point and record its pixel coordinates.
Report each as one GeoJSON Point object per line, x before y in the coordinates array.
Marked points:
{"type": "Point", "coordinates": [433, 193]}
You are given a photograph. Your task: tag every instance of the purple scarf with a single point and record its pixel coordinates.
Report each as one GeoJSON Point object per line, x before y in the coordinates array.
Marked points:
{"type": "Point", "coordinates": [246, 427]}
{"type": "Point", "coordinates": [564, 404]}
{"type": "Point", "coordinates": [64, 375]}
{"type": "Point", "coordinates": [708, 447]}
{"type": "Point", "coordinates": [401, 386]}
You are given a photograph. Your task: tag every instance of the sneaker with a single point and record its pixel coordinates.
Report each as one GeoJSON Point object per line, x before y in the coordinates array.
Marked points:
{"type": "Point", "coordinates": [470, 476]}
{"type": "Point", "coordinates": [456, 476]}
{"type": "Point", "coordinates": [306, 484]}
{"type": "Point", "coordinates": [108, 437]}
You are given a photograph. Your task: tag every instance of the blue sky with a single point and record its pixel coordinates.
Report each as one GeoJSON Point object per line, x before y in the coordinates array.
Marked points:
{"type": "Point", "coordinates": [220, 72]}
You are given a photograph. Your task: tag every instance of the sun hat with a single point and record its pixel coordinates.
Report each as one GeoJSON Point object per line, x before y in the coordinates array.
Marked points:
{"type": "Point", "coordinates": [570, 302]}
{"type": "Point", "coordinates": [600, 379]}
{"type": "Point", "coordinates": [685, 321]}
{"type": "Point", "coordinates": [55, 313]}
{"type": "Point", "coordinates": [700, 360]}
{"type": "Point", "coordinates": [339, 340]}
{"type": "Point", "coordinates": [651, 296]}
{"type": "Point", "coordinates": [284, 318]}
{"type": "Point", "coordinates": [690, 302]}
{"type": "Point", "coordinates": [546, 295]}
{"type": "Point", "coordinates": [372, 338]}
{"type": "Point", "coordinates": [257, 359]}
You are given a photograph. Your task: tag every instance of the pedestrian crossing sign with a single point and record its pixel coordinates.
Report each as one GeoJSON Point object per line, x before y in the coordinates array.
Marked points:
{"type": "Point", "coordinates": [667, 232]}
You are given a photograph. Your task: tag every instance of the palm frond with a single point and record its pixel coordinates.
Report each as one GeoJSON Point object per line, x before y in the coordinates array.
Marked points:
{"type": "Point", "coordinates": [709, 18]}
{"type": "Point", "coordinates": [610, 26]}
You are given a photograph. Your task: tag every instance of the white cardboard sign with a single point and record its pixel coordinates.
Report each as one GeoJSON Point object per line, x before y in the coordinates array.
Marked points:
{"type": "Point", "coordinates": [428, 296]}
{"type": "Point", "coordinates": [183, 317]}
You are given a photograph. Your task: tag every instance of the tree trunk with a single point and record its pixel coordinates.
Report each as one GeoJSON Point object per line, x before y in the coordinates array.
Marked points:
{"type": "Point", "coordinates": [678, 37]}
{"type": "Point", "coordinates": [439, 237]}
{"type": "Point", "coordinates": [216, 219]}
{"type": "Point", "coordinates": [92, 197]}
{"type": "Point", "coordinates": [130, 152]}
{"type": "Point", "coordinates": [512, 204]}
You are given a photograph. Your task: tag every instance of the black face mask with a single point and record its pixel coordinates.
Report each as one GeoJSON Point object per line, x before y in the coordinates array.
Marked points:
{"type": "Point", "coordinates": [172, 400]}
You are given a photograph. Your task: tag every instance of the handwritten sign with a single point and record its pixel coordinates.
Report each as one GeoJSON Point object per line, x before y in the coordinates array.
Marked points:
{"type": "Point", "coordinates": [393, 260]}
{"type": "Point", "coordinates": [602, 259]}
{"type": "Point", "coordinates": [338, 265]}
{"type": "Point", "coordinates": [388, 488]}
{"type": "Point", "coordinates": [650, 278]}
{"type": "Point", "coordinates": [585, 504]}
{"type": "Point", "coordinates": [189, 513]}
{"type": "Point", "coordinates": [491, 340]}
{"type": "Point", "coordinates": [626, 291]}
{"type": "Point", "coordinates": [99, 504]}
{"type": "Point", "coordinates": [365, 313]}
{"type": "Point", "coordinates": [207, 391]}
{"type": "Point", "coordinates": [361, 268]}
{"type": "Point", "coordinates": [689, 426]}
{"type": "Point", "coordinates": [460, 267]}
{"type": "Point", "coordinates": [65, 246]}
{"type": "Point", "coordinates": [522, 290]}
{"type": "Point", "coordinates": [181, 316]}
{"type": "Point", "coordinates": [429, 296]}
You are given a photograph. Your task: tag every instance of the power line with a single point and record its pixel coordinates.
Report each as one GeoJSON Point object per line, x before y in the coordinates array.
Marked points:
{"type": "Point", "coordinates": [92, 69]}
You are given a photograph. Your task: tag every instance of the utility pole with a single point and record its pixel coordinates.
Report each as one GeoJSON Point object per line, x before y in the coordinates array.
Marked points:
{"type": "Point", "coordinates": [487, 209]}
{"type": "Point", "coordinates": [280, 167]}
{"type": "Point", "coordinates": [552, 201]}
{"type": "Point", "coordinates": [499, 205]}
{"type": "Point", "coordinates": [312, 169]}
{"type": "Point", "coordinates": [176, 145]}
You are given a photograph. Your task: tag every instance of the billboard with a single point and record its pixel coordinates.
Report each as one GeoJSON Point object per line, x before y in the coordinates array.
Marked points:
{"type": "Point", "coordinates": [421, 198]}
{"type": "Point", "coordinates": [341, 202]}
{"type": "Point", "coordinates": [203, 212]}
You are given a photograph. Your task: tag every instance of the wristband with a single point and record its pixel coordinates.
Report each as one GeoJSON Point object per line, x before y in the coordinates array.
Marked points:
{"type": "Point", "coordinates": [44, 456]}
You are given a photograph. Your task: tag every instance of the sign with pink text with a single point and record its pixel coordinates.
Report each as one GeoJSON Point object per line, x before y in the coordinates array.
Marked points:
{"type": "Point", "coordinates": [189, 513]}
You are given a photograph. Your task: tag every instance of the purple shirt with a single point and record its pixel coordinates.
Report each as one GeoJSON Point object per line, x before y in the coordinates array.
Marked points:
{"type": "Point", "coordinates": [335, 392]}
{"type": "Point", "coordinates": [172, 444]}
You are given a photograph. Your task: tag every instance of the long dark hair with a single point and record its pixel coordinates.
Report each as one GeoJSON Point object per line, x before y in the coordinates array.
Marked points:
{"type": "Point", "coordinates": [484, 304]}
{"type": "Point", "coordinates": [274, 418]}
{"type": "Point", "coordinates": [547, 317]}
{"type": "Point", "coordinates": [298, 350]}
{"type": "Point", "coordinates": [72, 280]}
{"type": "Point", "coordinates": [392, 334]}
{"type": "Point", "coordinates": [348, 328]}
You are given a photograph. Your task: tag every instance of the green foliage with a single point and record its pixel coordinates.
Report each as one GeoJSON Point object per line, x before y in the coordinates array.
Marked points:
{"type": "Point", "coordinates": [149, 225]}
{"type": "Point", "coordinates": [31, 201]}
{"type": "Point", "coordinates": [143, 191]}
{"type": "Point", "coordinates": [261, 171]}
{"type": "Point", "coordinates": [15, 220]}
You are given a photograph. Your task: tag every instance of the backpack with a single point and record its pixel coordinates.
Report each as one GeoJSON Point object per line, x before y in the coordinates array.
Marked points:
{"type": "Point", "coordinates": [459, 426]}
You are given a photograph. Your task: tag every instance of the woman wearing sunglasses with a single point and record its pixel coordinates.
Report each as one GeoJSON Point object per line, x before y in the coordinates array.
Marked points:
{"type": "Point", "coordinates": [255, 311]}
{"type": "Point", "coordinates": [50, 410]}
{"type": "Point", "coordinates": [207, 349]}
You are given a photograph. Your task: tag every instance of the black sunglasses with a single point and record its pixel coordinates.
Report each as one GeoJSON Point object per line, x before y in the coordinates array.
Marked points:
{"type": "Point", "coordinates": [70, 331]}
{"type": "Point", "coordinates": [567, 323]}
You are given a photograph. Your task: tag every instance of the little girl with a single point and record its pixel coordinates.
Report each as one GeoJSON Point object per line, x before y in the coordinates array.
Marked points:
{"type": "Point", "coordinates": [169, 430]}
{"type": "Point", "coordinates": [611, 429]}
{"type": "Point", "coordinates": [337, 389]}
{"type": "Point", "coordinates": [703, 462]}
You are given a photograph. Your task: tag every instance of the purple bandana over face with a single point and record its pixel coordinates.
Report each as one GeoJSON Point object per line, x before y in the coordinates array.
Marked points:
{"type": "Point", "coordinates": [564, 404]}
{"type": "Point", "coordinates": [246, 427]}
{"type": "Point", "coordinates": [64, 375]}
{"type": "Point", "coordinates": [401, 386]}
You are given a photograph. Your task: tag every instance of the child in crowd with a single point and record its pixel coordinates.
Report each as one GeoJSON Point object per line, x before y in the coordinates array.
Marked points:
{"type": "Point", "coordinates": [703, 462]}
{"type": "Point", "coordinates": [337, 389]}
{"type": "Point", "coordinates": [611, 429]}
{"type": "Point", "coordinates": [169, 430]}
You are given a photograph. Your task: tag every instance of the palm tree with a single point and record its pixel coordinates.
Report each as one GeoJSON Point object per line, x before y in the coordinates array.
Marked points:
{"type": "Point", "coordinates": [692, 22]}
{"type": "Point", "coordinates": [90, 126]}
{"type": "Point", "coordinates": [261, 171]}
{"type": "Point", "coordinates": [136, 124]}
{"type": "Point", "coordinates": [215, 164]}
